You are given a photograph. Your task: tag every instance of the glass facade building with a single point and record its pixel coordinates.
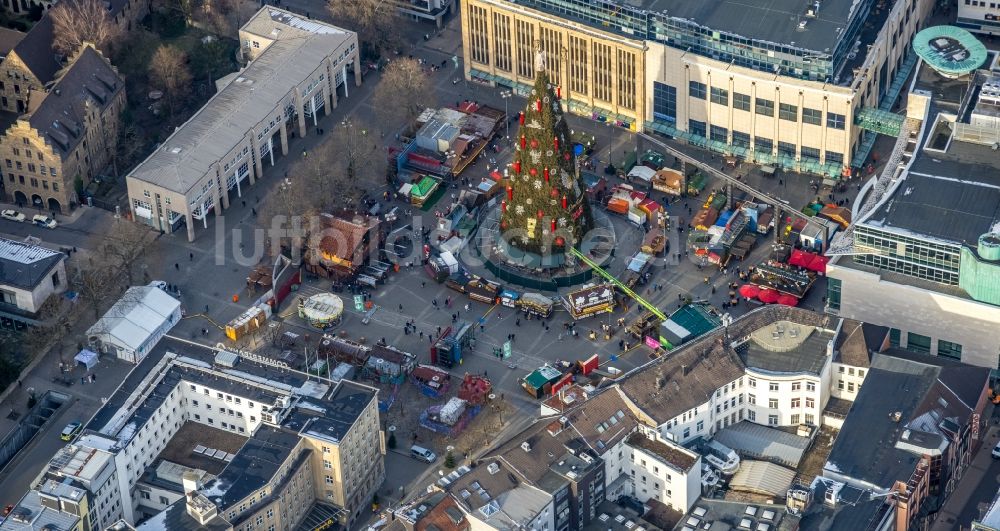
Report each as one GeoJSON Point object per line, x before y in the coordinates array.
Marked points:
{"type": "Point", "coordinates": [926, 259]}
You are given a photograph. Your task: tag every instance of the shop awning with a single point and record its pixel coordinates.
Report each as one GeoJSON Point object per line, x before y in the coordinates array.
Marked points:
{"type": "Point", "coordinates": [788, 300]}
{"type": "Point", "coordinates": [768, 296]}
{"type": "Point", "coordinates": [749, 291]}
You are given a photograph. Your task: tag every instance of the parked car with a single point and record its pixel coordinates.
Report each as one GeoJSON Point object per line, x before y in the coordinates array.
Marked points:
{"type": "Point", "coordinates": [44, 221]}
{"type": "Point", "coordinates": [996, 451]}
{"type": "Point", "coordinates": [70, 430]}
{"type": "Point", "coordinates": [12, 215]}
{"type": "Point", "coordinates": [422, 454]}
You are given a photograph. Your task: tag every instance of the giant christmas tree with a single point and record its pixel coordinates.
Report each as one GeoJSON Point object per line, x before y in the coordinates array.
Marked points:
{"type": "Point", "coordinates": [544, 209]}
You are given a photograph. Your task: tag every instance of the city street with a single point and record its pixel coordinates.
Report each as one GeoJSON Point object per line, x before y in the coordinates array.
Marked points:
{"type": "Point", "coordinates": [211, 270]}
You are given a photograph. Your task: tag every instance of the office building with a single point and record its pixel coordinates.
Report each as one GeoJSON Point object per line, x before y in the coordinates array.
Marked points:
{"type": "Point", "coordinates": [979, 16]}
{"type": "Point", "coordinates": [923, 259]}
{"type": "Point", "coordinates": [778, 83]}
{"type": "Point", "coordinates": [298, 68]}
{"type": "Point", "coordinates": [198, 438]}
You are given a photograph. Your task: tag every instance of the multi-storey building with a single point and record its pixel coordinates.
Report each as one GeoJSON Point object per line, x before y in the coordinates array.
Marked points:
{"type": "Point", "coordinates": [198, 437]}
{"type": "Point", "coordinates": [67, 134]}
{"type": "Point", "coordinates": [29, 275]}
{"type": "Point", "coordinates": [925, 258]}
{"type": "Point", "coordinates": [979, 16]}
{"type": "Point", "coordinates": [777, 83]}
{"type": "Point", "coordinates": [298, 67]}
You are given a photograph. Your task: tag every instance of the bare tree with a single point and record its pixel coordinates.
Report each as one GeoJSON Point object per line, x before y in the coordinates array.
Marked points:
{"type": "Point", "coordinates": [168, 71]}
{"type": "Point", "coordinates": [96, 282]}
{"type": "Point", "coordinates": [124, 245]}
{"type": "Point", "coordinates": [78, 21]}
{"type": "Point", "coordinates": [126, 146]}
{"type": "Point", "coordinates": [376, 21]}
{"type": "Point", "coordinates": [358, 163]}
{"type": "Point", "coordinates": [403, 92]}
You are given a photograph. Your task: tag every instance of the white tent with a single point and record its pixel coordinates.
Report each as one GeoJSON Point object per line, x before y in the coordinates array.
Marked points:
{"type": "Point", "coordinates": [644, 173]}
{"type": "Point", "coordinates": [135, 323]}
{"type": "Point", "coordinates": [87, 357]}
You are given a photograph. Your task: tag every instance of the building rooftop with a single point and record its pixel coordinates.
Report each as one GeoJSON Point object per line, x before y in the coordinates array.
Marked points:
{"type": "Point", "coordinates": [723, 515]}
{"type": "Point", "coordinates": [787, 347]}
{"type": "Point", "coordinates": [943, 206]}
{"type": "Point", "coordinates": [335, 415]}
{"type": "Point", "coordinates": [275, 23]}
{"type": "Point", "coordinates": [774, 21]}
{"type": "Point", "coordinates": [855, 509]}
{"type": "Point", "coordinates": [614, 517]}
{"type": "Point", "coordinates": [675, 456]}
{"type": "Point", "coordinates": [856, 341]}
{"type": "Point", "coordinates": [60, 117]}
{"type": "Point", "coordinates": [24, 265]}
{"type": "Point", "coordinates": [176, 516]}
{"type": "Point", "coordinates": [670, 385]}
{"type": "Point", "coordinates": [31, 515]}
{"type": "Point", "coordinates": [870, 432]}
{"type": "Point", "coordinates": [756, 441]}
{"type": "Point", "coordinates": [35, 50]}
{"type": "Point", "coordinates": [222, 123]}
{"type": "Point", "coordinates": [9, 38]}
{"type": "Point", "coordinates": [950, 50]}
{"type": "Point", "coordinates": [253, 467]}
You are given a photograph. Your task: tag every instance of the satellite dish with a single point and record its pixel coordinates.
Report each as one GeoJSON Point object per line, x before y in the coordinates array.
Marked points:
{"type": "Point", "coordinates": [392, 428]}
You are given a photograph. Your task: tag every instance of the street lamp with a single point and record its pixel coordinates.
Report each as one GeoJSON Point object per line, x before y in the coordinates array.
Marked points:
{"type": "Point", "coordinates": [506, 95]}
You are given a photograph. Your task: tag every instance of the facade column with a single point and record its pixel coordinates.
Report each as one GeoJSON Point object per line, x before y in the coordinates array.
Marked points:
{"type": "Point", "coordinates": [299, 112]}
{"type": "Point", "coordinates": [357, 72]}
{"type": "Point", "coordinates": [239, 189]}
{"type": "Point", "coordinates": [221, 187]}
{"type": "Point", "coordinates": [312, 105]}
{"type": "Point", "coordinates": [343, 74]}
{"type": "Point", "coordinates": [283, 136]}
{"type": "Point", "coordinates": [326, 101]}
{"type": "Point", "coordinates": [257, 171]}
{"type": "Point", "coordinates": [189, 221]}
{"type": "Point", "coordinates": [270, 148]}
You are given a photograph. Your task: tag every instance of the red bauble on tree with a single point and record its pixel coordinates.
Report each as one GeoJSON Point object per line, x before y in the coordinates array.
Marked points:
{"type": "Point", "coordinates": [517, 166]}
{"type": "Point", "coordinates": [560, 241]}
{"type": "Point", "coordinates": [533, 172]}
{"type": "Point", "coordinates": [534, 144]}
{"type": "Point", "coordinates": [540, 214]}
{"type": "Point", "coordinates": [503, 206]}
{"type": "Point", "coordinates": [555, 143]}
{"type": "Point", "coordinates": [566, 156]}
{"type": "Point", "coordinates": [538, 105]}
{"type": "Point", "coordinates": [546, 175]}
{"type": "Point", "coordinates": [524, 142]}
{"type": "Point", "coordinates": [510, 193]}
{"type": "Point", "coordinates": [554, 193]}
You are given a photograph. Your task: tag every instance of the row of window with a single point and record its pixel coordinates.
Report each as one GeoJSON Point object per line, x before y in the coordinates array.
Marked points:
{"type": "Point", "coordinates": [776, 386]}
{"type": "Point", "coordinates": [34, 181]}
{"type": "Point", "coordinates": [850, 371]}
{"type": "Point", "coordinates": [761, 145]}
{"type": "Point", "coordinates": [762, 106]}
{"type": "Point", "coordinates": [772, 403]}
{"type": "Point", "coordinates": [31, 167]}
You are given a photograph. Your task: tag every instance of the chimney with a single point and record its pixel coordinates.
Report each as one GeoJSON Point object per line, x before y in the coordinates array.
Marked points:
{"type": "Point", "coordinates": [191, 482]}
{"type": "Point", "coordinates": [685, 370]}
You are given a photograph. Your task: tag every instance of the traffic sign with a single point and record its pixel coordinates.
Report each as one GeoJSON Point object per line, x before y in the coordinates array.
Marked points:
{"type": "Point", "coordinates": [506, 349]}
{"type": "Point", "coordinates": [359, 303]}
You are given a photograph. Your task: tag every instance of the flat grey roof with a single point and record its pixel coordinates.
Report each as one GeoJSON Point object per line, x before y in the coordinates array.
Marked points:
{"type": "Point", "coordinates": [809, 356]}
{"type": "Point", "coordinates": [956, 204]}
{"type": "Point", "coordinates": [869, 435]}
{"type": "Point", "coordinates": [756, 441]}
{"type": "Point", "coordinates": [773, 21]}
{"type": "Point", "coordinates": [189, 153]}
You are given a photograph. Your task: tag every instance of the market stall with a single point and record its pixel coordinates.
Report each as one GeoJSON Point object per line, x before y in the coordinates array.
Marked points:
{"type": "Point", "coordinates": [322, 310]}
{"type": "Point", "coordinates": [590, 300]}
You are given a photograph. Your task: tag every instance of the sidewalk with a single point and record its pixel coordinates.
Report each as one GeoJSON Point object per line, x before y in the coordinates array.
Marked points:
{"type": "Point", "coordinates": [950, 517]}
{"type": "Point", "coordinates": [30, 211]}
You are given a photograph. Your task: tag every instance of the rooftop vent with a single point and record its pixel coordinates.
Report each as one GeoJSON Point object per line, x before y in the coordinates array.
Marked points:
{"type": "Point", "coordinates": [896, 416]}
{"type": "Point", "coordinates": [526, 446]}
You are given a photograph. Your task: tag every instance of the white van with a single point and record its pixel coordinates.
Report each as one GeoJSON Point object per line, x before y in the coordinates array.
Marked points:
{"type": "Point", "coordinates": [422, 454]}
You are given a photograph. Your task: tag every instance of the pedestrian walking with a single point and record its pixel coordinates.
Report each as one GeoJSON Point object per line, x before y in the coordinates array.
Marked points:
{"type": "Point", "coordinates": [517, 322]}
{"type": "Point", "coordinates": [177, 266]}
{"type": "Point", "coordinates": [191, 256]}
{"type": "Point", "coordinates": [400, 307]}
